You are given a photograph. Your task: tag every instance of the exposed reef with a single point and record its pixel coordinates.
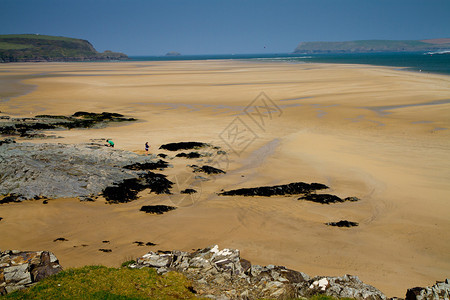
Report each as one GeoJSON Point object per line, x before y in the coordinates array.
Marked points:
{"type": "Point", "coordinates": [33, 127]}
{"type": "Point", "coordinates": [37, 171]}
{"type": "Point", "coordinates": [189, 155]}
{"type": "Point", "coordinates": [326, 198]}
{"type": "Point", "coordinates": [156, 209]}
{"type": "Point", "coordinates": [342, 223]}
{"type": "Point", "coordinates": [294, 188]}
{"type": "Point", "coordinates": [207, 169]}
{"type": "Point", "coordinates": [183, 146]}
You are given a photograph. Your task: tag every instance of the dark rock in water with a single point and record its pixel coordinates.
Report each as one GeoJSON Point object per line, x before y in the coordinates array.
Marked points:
{"type": "Point", "coordinates": [189, 155]}
{"type": "Point", "coordinates": [156, 209]}
{"type": "Point", "coordinates": [441, 290]}
{"type": "Point", "coordinates": [188, 191]}
{"type": "Point", "coordinates": [61, 239]}
{"type": "Point", "coordinates": [12, 198]}
{"type": "Point", "coordinates": [277, 190]}
{"type": "Point", "coordinates": [326, 198]}
{"type": "Point", "coordinates": [105, 250]}
{"type": "Point", "coordinates": [160, 164]}
{"type": "Point", "coordinates": [22, 269]}
{"type": "Point", "coordinates": [207, 169]}
{"type": "Point", "coordinates": [183, 146]}
{"type": "Point", "coordinates": [342, 223]}
{"type": "Point", "coordinates": [162, 155]}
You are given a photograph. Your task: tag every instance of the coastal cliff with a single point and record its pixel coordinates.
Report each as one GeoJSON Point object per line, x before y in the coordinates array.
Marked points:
{"type": "Point", "coordinates": [41, 48]}
{"type": "Point", "coordinates": [366, 46]}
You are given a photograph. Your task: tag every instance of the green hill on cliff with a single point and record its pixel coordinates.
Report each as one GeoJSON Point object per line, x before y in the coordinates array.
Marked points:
{"type": "Point", "coordinates": [33, 47]}
{"type": "Point", "coordinates": [373, 46]}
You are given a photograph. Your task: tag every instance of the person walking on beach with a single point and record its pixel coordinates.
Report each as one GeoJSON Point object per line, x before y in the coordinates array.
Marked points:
{"type": "Point", "coordinates": [146, 148]}
{"type": "Point", "coordinates": [110, 143]}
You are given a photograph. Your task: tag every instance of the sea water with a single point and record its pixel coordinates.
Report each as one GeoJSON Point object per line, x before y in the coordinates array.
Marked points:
{"type": "Point", "coordinates": [416, 61]}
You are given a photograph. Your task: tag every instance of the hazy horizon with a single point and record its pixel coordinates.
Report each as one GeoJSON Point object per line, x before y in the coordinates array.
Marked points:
{"type": "Point", "coordinates": [211, 27]}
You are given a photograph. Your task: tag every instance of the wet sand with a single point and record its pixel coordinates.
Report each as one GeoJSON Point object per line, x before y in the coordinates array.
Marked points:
{"type": "Point", "coordinates": [376, 133]}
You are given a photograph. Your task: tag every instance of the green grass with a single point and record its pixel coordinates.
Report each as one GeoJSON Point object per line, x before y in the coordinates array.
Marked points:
{"type": "Point", "coordinates": [12, 46]}
{"type": "Point", "coordinates": [36, 36]}
{"type": "Point", "coordinates": [98, 282]}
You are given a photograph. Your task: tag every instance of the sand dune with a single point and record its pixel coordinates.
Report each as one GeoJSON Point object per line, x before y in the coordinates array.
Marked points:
{"type": "Point", "coordinates": [376, 133]}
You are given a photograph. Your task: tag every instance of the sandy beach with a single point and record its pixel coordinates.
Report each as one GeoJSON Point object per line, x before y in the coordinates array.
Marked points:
{"type": "Point", "coordinates": [376, 133]}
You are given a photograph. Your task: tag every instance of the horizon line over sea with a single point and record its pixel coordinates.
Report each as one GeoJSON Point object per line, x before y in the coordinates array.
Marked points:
{"type": "Point", "coordinates": [415, 61]}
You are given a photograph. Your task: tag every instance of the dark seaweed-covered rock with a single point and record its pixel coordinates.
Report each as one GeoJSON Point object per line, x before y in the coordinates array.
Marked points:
{"type": "Point", "coordinates": [160, 164]}
{"type": "Point", "coordinates": [124, 191]}
{"type": "Point", "coordinates": [188, 191]}
{"type": "Point", "coordinates": [326, 198]}
{"type": "Point", "coordinates": [139, 243]}
{"type": "Point", "coordinates": [183, 146]}
{"type": "Point", "coordinates": [127, 190]}
{"type": "Point", "coordinates": [189, 155]}
{"type": "Point", "coordinates": [157, 183]}
{"type": "Point", "coordinates": [12, 198]}
{"type": "Point", "coordinates": [105, 250]}
{"type": "Point", "coordinates": [162, 155]}
{"type": "Point", "coordinates": [207, 169]}
{"type": "Point", "coordinates": [294, 188]}
{"type": "Point", "coordinates": [61, 239]}
{"type": "Point", "coordinates": [342, 223]}
{"type": "Point", "coordinates": [156, 209]}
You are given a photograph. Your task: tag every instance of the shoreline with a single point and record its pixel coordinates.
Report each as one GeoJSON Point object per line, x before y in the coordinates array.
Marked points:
{"type": "Point", "coordinates": [398, 169]}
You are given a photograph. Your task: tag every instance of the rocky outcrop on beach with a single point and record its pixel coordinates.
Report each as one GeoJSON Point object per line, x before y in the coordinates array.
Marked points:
{"type": "Point", "coordinates": [33, 171]}
{"type": "Point", "coordinates": [441, 290]}
{"type": "Point", "coordinates": [21, 269]}
{"type": "Point", "coordinates": [223, 274]}
{"type": "Point", "coordinates": [36, 126]}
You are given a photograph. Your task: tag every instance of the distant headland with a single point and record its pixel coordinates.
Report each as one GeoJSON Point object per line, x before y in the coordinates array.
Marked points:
{"type": "Point", "coordinates": [366, 46]}
{"type": "Point", "coordinates": [40, 48]}
{"type": "Point", "coordinates": [173, 53]}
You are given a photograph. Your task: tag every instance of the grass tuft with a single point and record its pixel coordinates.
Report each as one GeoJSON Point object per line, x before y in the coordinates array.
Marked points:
{"type": "Point", "coordinates": [99, 282]}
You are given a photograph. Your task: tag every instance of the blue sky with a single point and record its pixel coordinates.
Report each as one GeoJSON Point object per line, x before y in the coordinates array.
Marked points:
{"type": "Point", "coordinates": [147, 27]}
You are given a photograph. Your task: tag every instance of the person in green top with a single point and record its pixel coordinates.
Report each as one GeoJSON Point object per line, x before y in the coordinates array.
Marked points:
{"type": "Point", "coordinates": [111, 143]}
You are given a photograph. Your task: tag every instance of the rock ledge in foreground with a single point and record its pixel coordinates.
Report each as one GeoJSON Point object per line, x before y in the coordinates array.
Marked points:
{"type": "Point", "coordinates": [224, 274]}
